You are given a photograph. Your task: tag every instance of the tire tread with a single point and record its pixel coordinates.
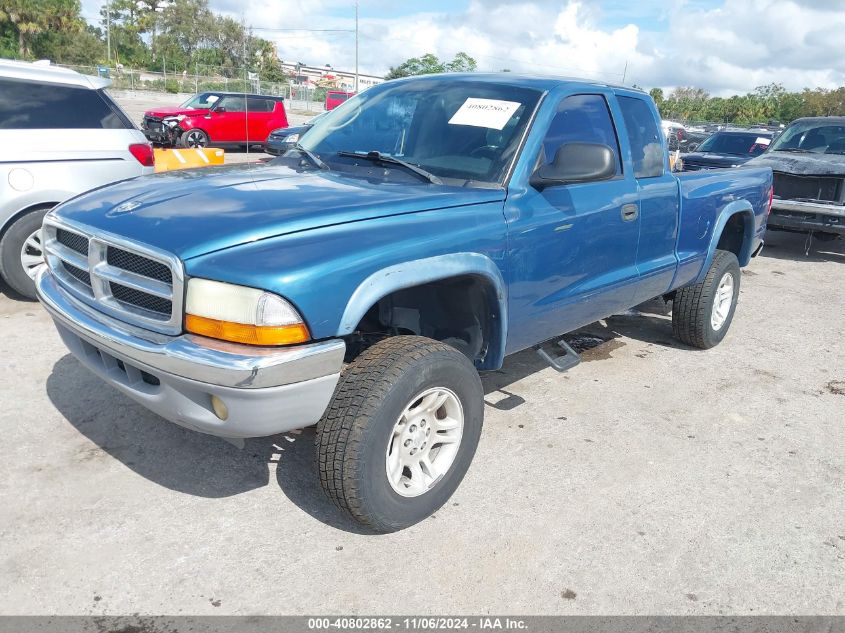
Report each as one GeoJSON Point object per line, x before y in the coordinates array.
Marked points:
{"type": "Point", "coordinates": [363, 386]}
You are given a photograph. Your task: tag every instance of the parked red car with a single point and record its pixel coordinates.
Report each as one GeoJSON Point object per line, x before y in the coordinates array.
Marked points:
{"type": "Point", "coordinates": [335, 97]}
{"type": "Point", "coordinates": [221, 119]}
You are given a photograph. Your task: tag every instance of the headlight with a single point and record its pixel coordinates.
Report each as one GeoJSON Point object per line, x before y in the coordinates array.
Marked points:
{"type": "Point", "coordinates": [292, 138]}
{"type": "Point", "coordinates": [242, 315]}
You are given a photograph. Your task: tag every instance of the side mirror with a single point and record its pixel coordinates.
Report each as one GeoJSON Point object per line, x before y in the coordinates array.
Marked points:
{"type": "Point", "coordinates": [220, 110]}
{"type": "Point", "coordinates": [576, 163]}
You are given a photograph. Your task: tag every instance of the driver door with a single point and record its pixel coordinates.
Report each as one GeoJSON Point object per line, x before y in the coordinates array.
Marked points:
{"type": "Point", "coordinates": [573, 247]}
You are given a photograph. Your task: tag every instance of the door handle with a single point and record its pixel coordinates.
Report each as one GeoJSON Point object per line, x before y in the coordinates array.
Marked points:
{"type": "Point", "coordinates": [630, 212]}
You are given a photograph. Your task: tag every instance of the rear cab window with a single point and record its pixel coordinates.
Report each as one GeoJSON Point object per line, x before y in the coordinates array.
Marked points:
{"type": "Point", "coordinates": [644, 137]}
{"type": "Point", "coordinates": [26, 105]}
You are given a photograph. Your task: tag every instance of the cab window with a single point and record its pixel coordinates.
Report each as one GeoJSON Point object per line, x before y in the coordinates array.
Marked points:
{"type": "Point", "coordinates": [581, 119]}
{"type": "Point", "coordinates": [644, 137]}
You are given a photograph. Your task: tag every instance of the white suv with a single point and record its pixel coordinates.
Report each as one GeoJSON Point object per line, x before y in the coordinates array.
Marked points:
{"type": "Point", "coordinates": [60, 135]}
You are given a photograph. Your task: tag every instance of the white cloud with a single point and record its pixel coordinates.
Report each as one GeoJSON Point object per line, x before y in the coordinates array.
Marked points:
{"type": "Point", "coordinates": [725, 46]}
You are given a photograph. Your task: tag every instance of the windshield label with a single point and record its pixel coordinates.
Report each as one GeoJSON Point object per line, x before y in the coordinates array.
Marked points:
{"type": "Point", "coordinates": [489, 113]}
{"type": "Point", "coordinates": [763, 141]}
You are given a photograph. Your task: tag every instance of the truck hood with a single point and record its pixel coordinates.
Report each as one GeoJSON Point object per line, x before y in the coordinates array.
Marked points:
{"type": "Point", "coordinates": [802, 164]}
{"type": "Point", "coordinates": [715, 160]}
{"type": "Point", "coordinates": [195, 212]}
{"type": "Point", "coordinates": [163, 112]}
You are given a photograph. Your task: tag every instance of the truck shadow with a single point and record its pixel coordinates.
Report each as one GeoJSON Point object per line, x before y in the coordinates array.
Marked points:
{"type": "Point", "coordinates": [794, 247]}
{"type": "Point", "coordinates": [164, 453]}
{"type": "Point", "coordinates": [204, 466]}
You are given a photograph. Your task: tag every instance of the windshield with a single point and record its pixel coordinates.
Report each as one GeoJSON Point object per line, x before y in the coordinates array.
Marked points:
{"type": "Point", "coordinates": [455, 129]}
{"type": "Point", "coordinates": [201, 101]}
{"type": "Point", "coordinates": [736, 144]}
{"type": "Point", "coordinates": [818, 137]}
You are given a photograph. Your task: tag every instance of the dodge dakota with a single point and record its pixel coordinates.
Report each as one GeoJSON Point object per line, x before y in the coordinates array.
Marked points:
{"type": "Point", "coordinates": [418, 234]}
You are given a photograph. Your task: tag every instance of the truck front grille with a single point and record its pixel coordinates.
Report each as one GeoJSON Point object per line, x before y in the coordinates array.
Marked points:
{"type": "Point", "coordinates": [139, 265]}
{"type": "Point", "coordinates": [78, 273]}
{"type": "Point", "coordinates": [73, 241]}
{"type": "Point", "coordinates": [791, 187]}
{"type": "Point", "coordinates": [129, 281]}
{"type": "Point", "coordinates": [139, 299]}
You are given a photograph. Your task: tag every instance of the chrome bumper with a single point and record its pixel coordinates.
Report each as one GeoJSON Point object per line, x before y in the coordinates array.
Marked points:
{"type": "Point", "coordinates": [266, 390]}
{"type": "Point", "coordinates": [821, 208]}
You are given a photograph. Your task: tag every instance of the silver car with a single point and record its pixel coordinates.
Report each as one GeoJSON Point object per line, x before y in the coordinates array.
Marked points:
{"type": "Point", "coordinates": [61, 134]}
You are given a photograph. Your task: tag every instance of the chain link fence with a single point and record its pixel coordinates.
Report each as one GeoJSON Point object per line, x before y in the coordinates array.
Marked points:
{"type": "Point", "coordinates": [123, 78]}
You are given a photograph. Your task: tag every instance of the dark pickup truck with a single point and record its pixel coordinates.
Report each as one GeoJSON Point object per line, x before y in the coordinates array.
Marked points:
{"type": "Point", "coordinates": [808, 161]}
{"type": "Point", "coordinates": [422, 231]}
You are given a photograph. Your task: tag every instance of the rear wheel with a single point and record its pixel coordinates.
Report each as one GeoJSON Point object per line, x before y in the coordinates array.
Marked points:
{"type": "Point", "coordinates": [702, 313]}
{"type": "Point", "coordinates": [400, 432]}
{"type": "Point", "coordinates": [21, 253]}
{"type": "Point", "coordinates": [193, 138]}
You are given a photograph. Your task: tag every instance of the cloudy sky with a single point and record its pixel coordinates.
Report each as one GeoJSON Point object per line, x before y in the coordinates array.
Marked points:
{"type": "Point", "coordinates": [725, 46]}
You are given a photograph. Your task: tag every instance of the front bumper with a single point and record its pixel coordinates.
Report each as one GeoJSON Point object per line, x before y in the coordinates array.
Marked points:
{"type": "Point", "coordinates": [162, 134]}
{"type": "Point", "coordinates": [266, 390]}
{"type": "Point", "coordinates": [796, 215]}
{"type": "Point", "coordinates": [276, 146]}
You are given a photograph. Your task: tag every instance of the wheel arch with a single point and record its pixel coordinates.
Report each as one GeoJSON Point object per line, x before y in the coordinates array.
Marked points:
{"type": "Point", "coordinates": [734, 232]}
{"type": "Point", "coordinates": [443, 268]}
{"type": "Point", "coordinates": [38, 206]}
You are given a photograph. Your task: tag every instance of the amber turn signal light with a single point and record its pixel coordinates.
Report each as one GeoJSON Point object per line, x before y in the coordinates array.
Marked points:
{"type": "Point", "coordinates": [266, 335]}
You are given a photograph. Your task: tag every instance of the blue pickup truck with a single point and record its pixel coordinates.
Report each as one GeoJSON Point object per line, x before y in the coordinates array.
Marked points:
{"type": "Point", "coordinates": [418, 234]}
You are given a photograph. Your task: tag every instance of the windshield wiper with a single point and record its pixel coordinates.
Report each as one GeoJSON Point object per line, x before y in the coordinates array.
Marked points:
{"type": "Point", "coordinates": [794, 150]}
{"type": "Point", "coordinates": [378, 157]}
{"type": "Point", "coordinates": [318, 162]}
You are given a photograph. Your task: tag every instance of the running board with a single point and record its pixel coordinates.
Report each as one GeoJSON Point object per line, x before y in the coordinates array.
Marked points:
{"type": "Point", "coordinates": [562, 363]}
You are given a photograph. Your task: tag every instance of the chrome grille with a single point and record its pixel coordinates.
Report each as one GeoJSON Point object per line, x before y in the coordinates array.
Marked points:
{"type": "Point", "coordinates": [129, 281]}
{"type": "Point", "coordinates": [81, 275]}
{"type": "Point", "coordinates": [138, 264]}
{"type": "Point", "coordinates": [139, 299]}
{"type": "Point", "coordinates": [73, 241]}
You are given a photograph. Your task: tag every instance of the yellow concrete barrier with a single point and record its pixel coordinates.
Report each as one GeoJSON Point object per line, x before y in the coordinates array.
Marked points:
{"type": "Point", "coordinates": [172, 159]}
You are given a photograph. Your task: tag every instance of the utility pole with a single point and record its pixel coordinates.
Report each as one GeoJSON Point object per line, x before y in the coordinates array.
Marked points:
{"type": "Point", "coordinates": [356, 45]}
{"type": "Point", "coordinates": [108, 31]}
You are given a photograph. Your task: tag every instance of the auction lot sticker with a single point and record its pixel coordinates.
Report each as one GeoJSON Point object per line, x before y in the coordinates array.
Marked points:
{"type": "Point", "coordinates": [489, 113]}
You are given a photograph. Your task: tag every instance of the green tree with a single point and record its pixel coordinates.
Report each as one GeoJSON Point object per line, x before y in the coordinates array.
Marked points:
{"type": "Point", "coordinates": [461, 63]}
{"type": "Point", "coordinates": [430, 64]}
{"type": "Point", "coordinates": [30, 18]}
{"type": "Point", "coordinates": [657, 95]}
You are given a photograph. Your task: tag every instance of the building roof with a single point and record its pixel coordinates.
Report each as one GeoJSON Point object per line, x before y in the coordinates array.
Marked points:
{"type": "Point", "coordinates": [43, 72]}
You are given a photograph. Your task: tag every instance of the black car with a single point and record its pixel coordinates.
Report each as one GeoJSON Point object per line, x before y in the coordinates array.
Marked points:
{"type": "Point", "coordinates": [283, 139]}
{"type": "Point", "coordinates": [808, 161]}
{"type": "Point", "coordinates": [727, 149]}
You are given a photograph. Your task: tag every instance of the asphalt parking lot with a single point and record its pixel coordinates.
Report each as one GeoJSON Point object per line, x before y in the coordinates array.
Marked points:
{"type": "Point", "coordinates": [650, 479]}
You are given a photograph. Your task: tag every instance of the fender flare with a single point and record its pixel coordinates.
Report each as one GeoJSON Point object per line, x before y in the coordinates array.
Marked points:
{"type": "Point", "coordinates": [737, 207]}
{"type": "Point", "coordinates": [421, 271]}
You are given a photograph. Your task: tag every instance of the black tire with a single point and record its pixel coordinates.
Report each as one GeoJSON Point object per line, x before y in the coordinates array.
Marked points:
{"type": "Point", "coordinates": [11, 267]}
{"type": "Point", "coordinates": [692, 307]}
{"type": "Point", "coordinates": [194, 138]}
{"type": "Point", "coordinates": [353, 436]}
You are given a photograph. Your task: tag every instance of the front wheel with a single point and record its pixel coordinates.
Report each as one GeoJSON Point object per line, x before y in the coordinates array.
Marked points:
{"type": "Point", "coordinates": [193, 138]}
{"type": "Point", "coordinates": [702, 313]}
{"type": "Point", "coordinates": [400, 432]}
